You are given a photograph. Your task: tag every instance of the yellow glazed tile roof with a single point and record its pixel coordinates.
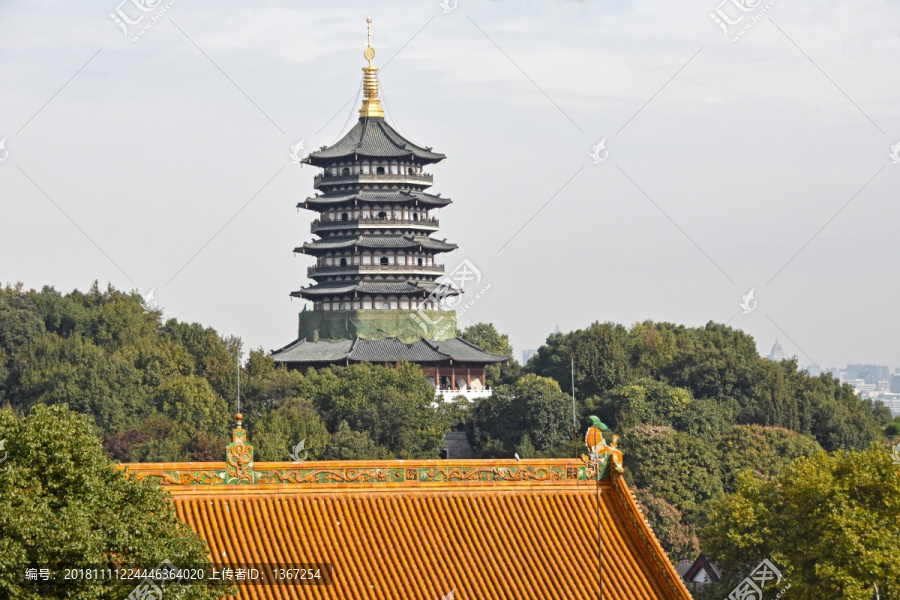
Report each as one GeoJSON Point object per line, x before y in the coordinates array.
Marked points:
{"type": "Point", "coordinates": [488, 529]}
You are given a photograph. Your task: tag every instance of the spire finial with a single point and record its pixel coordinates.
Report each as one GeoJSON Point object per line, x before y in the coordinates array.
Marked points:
{"type": "Point", "coordinates": [370, 51]}
{"type": "Point", "coordinates": [371, 107]}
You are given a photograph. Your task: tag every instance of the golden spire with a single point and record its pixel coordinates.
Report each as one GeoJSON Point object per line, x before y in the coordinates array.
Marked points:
{"type": "Point", "coordinates": [371, 107]}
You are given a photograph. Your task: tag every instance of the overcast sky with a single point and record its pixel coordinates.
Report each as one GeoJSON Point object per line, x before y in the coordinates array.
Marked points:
{"type": "Point", "coordinates": [762, 163]}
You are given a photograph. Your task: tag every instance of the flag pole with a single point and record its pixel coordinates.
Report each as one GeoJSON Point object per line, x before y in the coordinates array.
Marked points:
{"type": "Point", "coordinates": [574, 419]}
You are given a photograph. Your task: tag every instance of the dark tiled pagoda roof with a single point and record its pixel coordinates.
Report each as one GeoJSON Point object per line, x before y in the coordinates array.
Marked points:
{"type": "Point", "coordinates": [374, 242]}
{"type": "Point", "coordinates": [404, 288]}
{"type": "Point", "coordinates": [388, 350]}
{"type": "Point", "coordinates": [372, 137]}
{"type": "Point", "coordinates": [351, 197]}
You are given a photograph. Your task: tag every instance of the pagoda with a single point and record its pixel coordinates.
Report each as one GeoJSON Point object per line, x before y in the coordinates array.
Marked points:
{"type": "Point", "coordinates": [380, 293]}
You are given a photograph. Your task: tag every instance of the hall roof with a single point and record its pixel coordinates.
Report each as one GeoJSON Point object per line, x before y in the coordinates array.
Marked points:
{"type": "Point", "coordinates": [485, 529]}
{"type": "Point", "coordinates": [389, 350]}
{"type": "Point", "coordinates": [372, 137]}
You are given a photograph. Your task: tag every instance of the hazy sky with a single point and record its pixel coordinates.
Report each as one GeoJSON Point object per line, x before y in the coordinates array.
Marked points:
{"type": "Point", "coordinates": [762, 163]}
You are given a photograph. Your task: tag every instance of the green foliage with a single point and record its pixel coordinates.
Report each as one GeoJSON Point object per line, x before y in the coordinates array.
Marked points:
{"type": "Point", "coordinates": [601, 354]}
{"type": "Point", "coordinates": [651, 402]}
{"type": "Point", "coordinates": [764, 451]}
{"type": "Point", "coordinates": [534, 406]}
{"type": "Point", "coordinates": [63, 503]}
{"type": "Point", "coordinates": [679, 468]}
{"type": "Point", "coordinates": [347, 444]}
{"type": "Point", "coordinates": [283, 428]}
{"type": "Point", "coordinates": [678, 539]}
{"type": "Point", "coordinates": [191, 401]}
{"type": "Point", "coordinates": [893, 428]}
{"type": "Point", "coordinates": [721, 369]}
{"type": "Point", "coordinates": [830, 521]}
{"type": "Point", "coordinates": [393, 406]}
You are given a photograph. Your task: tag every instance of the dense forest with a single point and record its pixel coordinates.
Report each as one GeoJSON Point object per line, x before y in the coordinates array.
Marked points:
{"type": "Point", "coordinates": [696, 408]}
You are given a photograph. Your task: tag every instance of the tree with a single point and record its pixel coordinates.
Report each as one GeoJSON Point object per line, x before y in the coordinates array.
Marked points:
{"type": "Point", "coordinates": [392, 405]}
{"type": "Point", "coordinates": [75, 372]}
{"type": "Point", "coordinates": [534, 406]}
{"type": "Point", "coordinates": [829, 521]}
{"type": "Point", "coordinates": [285, 427]}
{"type": "Point", "coordinates": [681, 469]}
{"type": "Point", "coordinates": [64, 504]}
{"type": "Point", "coordinates": [651, 402]}
{"type": "Point", "coordinates": [347, 444]}
{"type": "Point", "coordinates": [192, 402]}
{"type": "Point", "coordinates": [677, 538]}
{"type": "Point", "coordinates": [601, 354]}
{"type": "Point", "coordinates": [764, 451]}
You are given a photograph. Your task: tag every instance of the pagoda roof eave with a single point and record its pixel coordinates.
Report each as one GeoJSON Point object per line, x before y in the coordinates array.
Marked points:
{"type": "Point", "coordinates": [372, 137]}
{"type": "Point", "coordinates": [356, 197]}
{"type": "Point", "coordinates": [366, 242]}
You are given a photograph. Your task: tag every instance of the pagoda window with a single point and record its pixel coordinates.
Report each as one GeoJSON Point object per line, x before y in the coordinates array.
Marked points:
{"type": "Point", "coordinates": [356, 305]}
{"type": "Point", "coordinates": [409, 171]}
{"type": "Point", "coordinates": [328, 262]}
{"type": "Point", "coordinates": [343, 306]}
{"type": "Point", "coordinates": [385, 306]}
{"type": "Point", "coordinates": [379, 171]}
{"type": "Point", "coordinates": [415, 216]}
{"type": "Point", "coordinates": [421, 262]}
{"type": "Point", "coordinates": [384, 260]}
{"type": "Point", "coordinates": [345, 217]}
{"type": "Point", "coordinates": [382, 215]}
{"type": "Point", "coordinates": [404, 304]}
{"type": "Point", "coordinates": [365, 214]}
{"type": "Point", "coordinates": [355, 260]}
{"type": "Point", "coordinates": [367, 259]}
{"type": "Point", "coordinates": [367, 304]}
{"type": "Point", "coordinates": [345, 171]}
{"type": "Point", "coordinates": [343, 262]}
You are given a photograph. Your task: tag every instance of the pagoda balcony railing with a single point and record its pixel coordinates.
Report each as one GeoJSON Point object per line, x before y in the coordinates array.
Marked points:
{"type": "Point", "coordinates": [373, 269]}
{"type": "Point", "coordinates": [430, 223]}
{"type": "Point", "coordinates": [329, 179]}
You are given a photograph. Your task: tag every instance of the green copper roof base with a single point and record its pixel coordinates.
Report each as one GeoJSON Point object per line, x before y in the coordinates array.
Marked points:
{"type": "Point", "coordinates": [408, 326]}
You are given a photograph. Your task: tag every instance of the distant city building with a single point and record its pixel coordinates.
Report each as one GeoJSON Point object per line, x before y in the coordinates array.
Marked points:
{"type": "Point", "coordinates": [526, 355]}
{"type": "Point", "coordinates": [895, 384]}
{"type": "Point", "coordinates": [777, 352]}
{"type": "Point", "coordinates": [892, 401]}
{"type": "Point", "coordinates": [870, 373]}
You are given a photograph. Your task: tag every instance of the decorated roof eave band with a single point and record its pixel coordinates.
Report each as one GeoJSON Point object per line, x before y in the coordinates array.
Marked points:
{"type": "Point", "coordinates": [317, 159]}
{"type": "Point", "coordinates": [604, 461]}
{"type": "Point", "coordinates": [388, 473]}
{"type": "Point", "coordinates": [399, 199]}
{"type": "Point", "coordinates": [312, 292]}
{"type": "Point", "coordinates": [324, 245]}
